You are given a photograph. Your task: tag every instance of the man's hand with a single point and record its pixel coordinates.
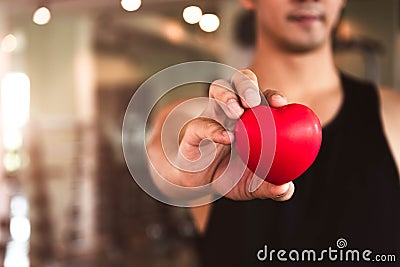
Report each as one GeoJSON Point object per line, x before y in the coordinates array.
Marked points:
{"type": "Point", "coordinates": [205, 142]}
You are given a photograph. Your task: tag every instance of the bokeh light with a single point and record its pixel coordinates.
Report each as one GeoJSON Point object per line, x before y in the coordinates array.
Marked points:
{"type": "Point", "coordinates": [20, 228]}
{"type": "Point", "coordinates": [19, 206]}
{"type": "Point", "coordinates": [12, 162]}
{"type": "Point", "coordinates": [12, 139]}
{"type": "Point", "coordinates": [209, 22]}
{"type": "Point", "coordinates": [15, 99]}
{"type": "Point", "coordinates": [131, 5]}
{"type": "Point", "coordinates": [42, 16]}
{"type": "Point", "coordinates": [9, 43]}
{"type": "Point", "coordinates": [192, 14]}
{"type": "Point", "coordinates": [174, 32]}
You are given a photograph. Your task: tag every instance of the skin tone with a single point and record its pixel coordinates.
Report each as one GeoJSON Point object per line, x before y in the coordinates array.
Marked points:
{"type": "Point", "coordinates": [292, 53]}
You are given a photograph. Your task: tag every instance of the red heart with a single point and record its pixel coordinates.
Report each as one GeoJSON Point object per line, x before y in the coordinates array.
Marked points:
{"type": "Point", "coordinates": [278, 143]}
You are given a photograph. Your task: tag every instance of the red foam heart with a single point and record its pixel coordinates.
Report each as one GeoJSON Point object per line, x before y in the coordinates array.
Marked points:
{"type": "Point", "coordinates": [278, 143]}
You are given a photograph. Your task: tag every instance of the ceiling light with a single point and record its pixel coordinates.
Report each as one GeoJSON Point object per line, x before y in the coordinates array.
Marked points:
{"type": "Point", "coordinates": [209, 22]}
{"type": "Point", "coordinates": [192, 14]}
{"type": "Point", "coordinates": [41, 16]}
{"type": "Point", "coordinates": [131, 5]}
{"type": "Point", "coordinates": [9, 43]}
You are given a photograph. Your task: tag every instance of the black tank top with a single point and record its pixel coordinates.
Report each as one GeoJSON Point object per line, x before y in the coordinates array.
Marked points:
{"type": "Point", "coordinates": [350, 195]}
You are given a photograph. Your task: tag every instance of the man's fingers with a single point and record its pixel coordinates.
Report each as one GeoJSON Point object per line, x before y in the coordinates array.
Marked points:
{"type": "Point", "coordinates": [275, 192]}
{"type": "Point", "coordinates": [285, 195]}
{"type": "Point", "coordinates": [201, 139]}
{"type": "Point", "coordinates": [200, 129]}
{"type": "Point", "coordinates": [274, 98]}
{"type": "Point", "coordinates": [222, 92]}
{"type": "Point", "coordinates": [245, 83]}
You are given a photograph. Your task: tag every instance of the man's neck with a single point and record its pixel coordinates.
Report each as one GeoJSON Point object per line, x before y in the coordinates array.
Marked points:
{"type": "Point", "coordinates": [296, 74]}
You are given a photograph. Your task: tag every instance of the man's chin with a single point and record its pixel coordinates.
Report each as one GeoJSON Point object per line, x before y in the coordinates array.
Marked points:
{"type": "Point", "coordinates": [299, 47]}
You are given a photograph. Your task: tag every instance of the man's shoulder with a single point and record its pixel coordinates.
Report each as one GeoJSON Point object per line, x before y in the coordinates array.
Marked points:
{"type": "Point", "coordinates": [390, 107]}
{"type": "Point", "coordinates": [390, 100]}
{"type": "Point", "coordinates": [390, 103]}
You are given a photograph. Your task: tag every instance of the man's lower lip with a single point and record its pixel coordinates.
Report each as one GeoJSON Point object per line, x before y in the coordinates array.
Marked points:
{"type": "Point", "coordinates": [305, 20]}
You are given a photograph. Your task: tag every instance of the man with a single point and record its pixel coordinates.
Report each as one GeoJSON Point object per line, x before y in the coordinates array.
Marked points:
{"type": "Point", "coordinates": [350, 193]}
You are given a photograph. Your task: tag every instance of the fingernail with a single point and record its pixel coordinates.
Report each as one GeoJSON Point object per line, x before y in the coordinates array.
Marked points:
{"type": "Point", "coordinates": [252, 97]}
{"type": "Point", "coordinates": [278, 99]}
{"type": "Point", "coordinates": [234, 107]}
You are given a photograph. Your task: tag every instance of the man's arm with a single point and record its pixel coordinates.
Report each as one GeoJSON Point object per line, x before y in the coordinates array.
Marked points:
{"type": "Point", "coordinates": [222, 103]}
{"type": "Point", "coordinates": [390, 112]}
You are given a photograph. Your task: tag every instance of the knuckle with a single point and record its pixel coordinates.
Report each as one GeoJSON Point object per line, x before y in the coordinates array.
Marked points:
{"type": "Point", "coordinates": [238, 76]}
{"type": "Point", "coordinates": [212, 127]}
{"type": "Point", "coordinates": [194, 125]}
{"type": "Point", "coordinates": [227, 95]}
{"type": "Point", "coordinates": [249, 73]}
{"type": "Point", "coordinates": [221, 91]}
{"type": "Point", "coordinates": [198, 127]}
{"type": "Point", "coordinates": [244, 79]}
{"type": "Point", "coordinates": [218, 86]}
{"type": "Point", "coordinates": [187, 127]}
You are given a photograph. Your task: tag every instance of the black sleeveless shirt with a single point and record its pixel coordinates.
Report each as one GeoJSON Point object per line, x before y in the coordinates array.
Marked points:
{"type": "Point", "coordinates": [349, 199]}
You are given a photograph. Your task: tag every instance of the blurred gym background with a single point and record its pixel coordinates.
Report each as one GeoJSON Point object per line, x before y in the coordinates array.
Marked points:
{"type": "Point", "coordinates": [68, 69]}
